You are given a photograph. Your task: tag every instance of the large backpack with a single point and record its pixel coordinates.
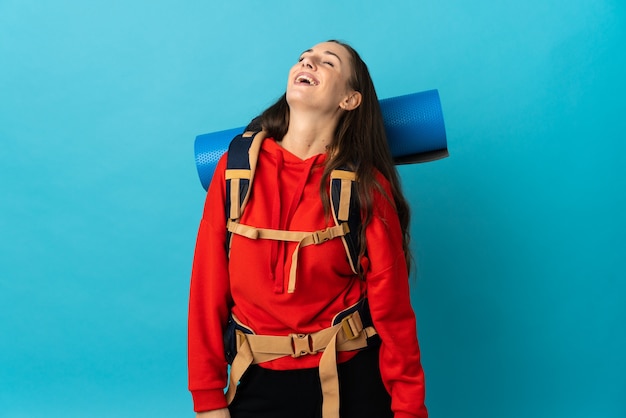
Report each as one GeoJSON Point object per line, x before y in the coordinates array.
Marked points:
{"type": "Point", "coordinates": [243, 154]}
{"type": "Point", "coordinates": [351, 329]}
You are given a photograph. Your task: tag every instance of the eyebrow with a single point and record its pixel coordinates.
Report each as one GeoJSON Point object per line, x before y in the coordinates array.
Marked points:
{"type": "Point", "coordinates": [325, 52]}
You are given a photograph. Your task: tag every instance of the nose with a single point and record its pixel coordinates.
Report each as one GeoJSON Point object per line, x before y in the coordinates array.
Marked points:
{"type": "Point", "coordinates": [307, 63]}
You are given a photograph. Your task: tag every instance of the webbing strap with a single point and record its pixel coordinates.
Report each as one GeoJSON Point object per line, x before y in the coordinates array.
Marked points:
{"type": "Point", "coordinates": [236, 174]}
{"type": "Point", "coordinates": [235, 207]}
{"type": "Point", "coordinates": [343, 174]}
{"type": "Point", "coordinates": [302, 238]}
{"type": "Point", "coordinates": [346, 178]}
{"type": "Point", "coordinates": [344, 200]}
{"type": "Point", "coordinates": [347, 335]}
{"type": "Point", "coordinates": [340, 198]}
{"type": "Point", "coordinates": [253, 156]}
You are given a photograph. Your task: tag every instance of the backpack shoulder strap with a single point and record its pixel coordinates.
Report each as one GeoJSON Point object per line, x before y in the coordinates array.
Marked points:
{"type": "Point", "coordinates": [346, 209]}
{"type": "Point", "coordinates": [243, 154]}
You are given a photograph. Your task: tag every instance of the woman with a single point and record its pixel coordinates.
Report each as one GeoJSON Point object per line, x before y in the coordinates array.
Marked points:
{"type": "Point", "coordinates": [328, 119]}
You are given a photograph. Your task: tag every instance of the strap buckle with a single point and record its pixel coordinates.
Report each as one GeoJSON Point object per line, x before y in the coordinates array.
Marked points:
{"type": "Point", "coordinates": [322, 236]}
{"type": "Point", "coordinates": [302, 344]}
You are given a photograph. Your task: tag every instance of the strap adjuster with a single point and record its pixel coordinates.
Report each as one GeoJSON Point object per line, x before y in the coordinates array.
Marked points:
{"type": "Point", "coordinates": [322, 236]}
{"type": "Point", "coordinates": [351, 327]}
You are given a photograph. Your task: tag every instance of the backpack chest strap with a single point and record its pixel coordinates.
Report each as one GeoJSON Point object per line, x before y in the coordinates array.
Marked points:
{"type": "Point", "coordinates": [302, 238]}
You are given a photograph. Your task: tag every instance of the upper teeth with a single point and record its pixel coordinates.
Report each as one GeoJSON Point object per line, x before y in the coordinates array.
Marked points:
{"type": "Point", "coordinates": [307, 79]}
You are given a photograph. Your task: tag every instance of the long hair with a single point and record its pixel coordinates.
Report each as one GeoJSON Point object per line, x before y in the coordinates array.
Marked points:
{"type": "Point", "coordinates": [360, 142]}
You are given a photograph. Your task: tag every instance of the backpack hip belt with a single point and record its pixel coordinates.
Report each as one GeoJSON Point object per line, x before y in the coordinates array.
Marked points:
{"type": "Point", "coordinates": [347, 334]}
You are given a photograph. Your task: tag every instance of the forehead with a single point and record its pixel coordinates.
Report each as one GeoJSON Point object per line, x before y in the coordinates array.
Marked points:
{"type": "Point", "coordinates": [332, 48]}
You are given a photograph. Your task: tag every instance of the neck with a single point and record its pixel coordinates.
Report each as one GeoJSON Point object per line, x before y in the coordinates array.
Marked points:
{"type": "Point", "coordinates": [309, 134]}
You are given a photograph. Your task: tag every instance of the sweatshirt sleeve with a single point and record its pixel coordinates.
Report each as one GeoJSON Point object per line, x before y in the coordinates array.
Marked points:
{"type": "Point", "coordinates": [392, 314]}
{"type": "Point", "coordinates": [209, 302]}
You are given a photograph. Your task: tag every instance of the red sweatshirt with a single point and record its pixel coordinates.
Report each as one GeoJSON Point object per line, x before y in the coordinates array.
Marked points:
{"type": "Point", "coordinates": [253, 283]}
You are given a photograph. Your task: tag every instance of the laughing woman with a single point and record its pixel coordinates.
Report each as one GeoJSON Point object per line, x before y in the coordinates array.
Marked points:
{"type": "Point", "coordinates": [324, 330]}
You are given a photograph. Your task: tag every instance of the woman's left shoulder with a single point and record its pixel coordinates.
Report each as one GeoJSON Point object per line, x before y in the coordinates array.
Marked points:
{"type": "Point", "coordinates": [380, 177]}
{"type": "Point", "coordinates": [384, 189]}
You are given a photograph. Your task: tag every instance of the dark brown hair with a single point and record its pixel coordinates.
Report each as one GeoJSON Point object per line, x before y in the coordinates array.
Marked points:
{"type": "Point", "coordinates": [360, 142]}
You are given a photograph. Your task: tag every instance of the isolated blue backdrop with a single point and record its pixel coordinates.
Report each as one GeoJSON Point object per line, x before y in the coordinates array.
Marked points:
{"type": "Point", "coordinates": [519, 235]}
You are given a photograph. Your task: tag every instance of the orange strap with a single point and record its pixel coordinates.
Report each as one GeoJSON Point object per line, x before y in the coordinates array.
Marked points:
{"type": "Point", "coordinates": [302, 238]}
{"type": "Point", "coordinates": [346, 177]}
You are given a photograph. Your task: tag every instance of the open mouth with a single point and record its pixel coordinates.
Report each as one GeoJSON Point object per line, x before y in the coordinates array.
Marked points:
{"type": "Point", "coordinates": [306, 79]}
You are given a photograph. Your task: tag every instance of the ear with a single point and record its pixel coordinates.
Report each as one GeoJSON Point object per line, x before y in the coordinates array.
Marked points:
{"type": "Point", "coordinates": [351, 101]}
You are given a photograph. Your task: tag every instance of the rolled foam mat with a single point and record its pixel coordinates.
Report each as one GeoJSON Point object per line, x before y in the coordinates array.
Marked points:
{"type": "Point", "coordinates": [414, 125]}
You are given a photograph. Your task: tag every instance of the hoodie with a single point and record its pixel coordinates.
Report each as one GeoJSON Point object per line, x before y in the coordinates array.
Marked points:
{"type": "Point", "coordinates": [252, 284]}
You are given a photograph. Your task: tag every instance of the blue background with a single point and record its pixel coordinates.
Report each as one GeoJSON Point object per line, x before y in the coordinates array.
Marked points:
{"type": "Point", "coordinates": [519, 235]}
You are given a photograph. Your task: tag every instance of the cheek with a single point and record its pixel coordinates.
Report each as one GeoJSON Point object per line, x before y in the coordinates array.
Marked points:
{"type": "Point", "coordinates": [341, 88]}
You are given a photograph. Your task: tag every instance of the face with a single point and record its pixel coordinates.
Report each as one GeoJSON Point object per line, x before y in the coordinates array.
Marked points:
{"type": "Point", "coordinates": [320, 79]}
